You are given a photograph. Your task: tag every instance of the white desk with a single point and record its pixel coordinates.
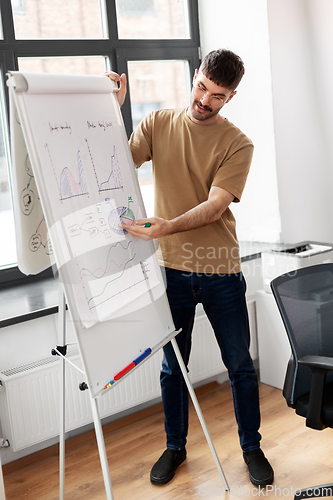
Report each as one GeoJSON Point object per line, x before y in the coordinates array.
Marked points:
{"type": "Point", "coordinates": [273, 345]}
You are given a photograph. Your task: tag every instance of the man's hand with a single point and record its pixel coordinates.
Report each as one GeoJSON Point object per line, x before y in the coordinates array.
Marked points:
{"type": "Point", "coordinates": [157, 228]}
{"type": "Point", "coordinates": [121, 94]}
{"type": "Point", "coordinates": [203, 214]}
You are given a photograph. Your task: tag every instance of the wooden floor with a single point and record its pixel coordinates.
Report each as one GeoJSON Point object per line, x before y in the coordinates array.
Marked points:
{"type": "Point", "coordinates": [301, 457]}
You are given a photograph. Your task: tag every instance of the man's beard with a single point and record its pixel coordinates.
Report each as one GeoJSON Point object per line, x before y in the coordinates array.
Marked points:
{"type": "Point", "coordinates": [198, 116]}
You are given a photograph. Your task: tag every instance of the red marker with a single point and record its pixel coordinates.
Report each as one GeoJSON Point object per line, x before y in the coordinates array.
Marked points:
{"type": "Point", "coordinates": [124, 371]}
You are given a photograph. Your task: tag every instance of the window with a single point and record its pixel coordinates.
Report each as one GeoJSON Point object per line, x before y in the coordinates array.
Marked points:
{"type": "Point", "coordinates": [154, 42]}
{"type": "Point", "coordinates": [17, 6]}
{"type": "Point", "coordinates": [155, 85]}
{"type": "Point", "coordinates": [7, 245]}
{"type": "Point", "coordinates": [36, 19]}
{"type": "Point", "coordinates": [158, 19]}
{"type": "Point", "coordinates": [135, 8]}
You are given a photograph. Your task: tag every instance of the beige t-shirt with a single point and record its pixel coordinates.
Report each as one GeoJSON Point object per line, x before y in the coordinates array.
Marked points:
{"type": "Point", "coordinates": [187, 160]}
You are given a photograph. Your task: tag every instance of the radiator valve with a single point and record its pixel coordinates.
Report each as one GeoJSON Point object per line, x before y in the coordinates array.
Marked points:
{"type": "Point", "coordinates": [4, 443]}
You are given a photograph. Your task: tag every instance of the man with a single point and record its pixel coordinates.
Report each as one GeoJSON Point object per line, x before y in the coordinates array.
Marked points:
{"type": "Point", "coordinates": [200, 165]}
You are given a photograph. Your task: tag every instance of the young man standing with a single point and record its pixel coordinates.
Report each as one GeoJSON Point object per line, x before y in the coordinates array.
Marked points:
{"type": "Point", "coordinates": [200, 165]}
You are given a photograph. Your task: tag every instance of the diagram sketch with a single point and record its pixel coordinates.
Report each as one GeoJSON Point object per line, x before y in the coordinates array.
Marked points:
{"type": "Point", "coordinates": [29, 203]}
{"type": "Point", "coordinates": [41, 239]}
{"type": "Point", "coordinates": [88, 228]}
{"type": "Point", "coordinates": [27, 199]}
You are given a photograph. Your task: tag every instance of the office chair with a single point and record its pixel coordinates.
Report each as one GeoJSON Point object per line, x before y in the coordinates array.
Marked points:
{"type": "Point", "coordinates": [305, 301]}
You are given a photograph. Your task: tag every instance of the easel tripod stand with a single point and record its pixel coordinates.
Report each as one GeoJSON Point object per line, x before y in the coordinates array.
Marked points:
{"type": "Point", "coordinates": [95, 413]}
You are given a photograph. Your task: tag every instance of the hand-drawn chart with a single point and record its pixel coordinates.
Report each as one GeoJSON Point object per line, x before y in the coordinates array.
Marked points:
{"type": "Point", "coordinates": [110, 293]}
{"type": "Point", "coordinates": [90, 193]}
{"type": "Point", "coordinates": [113, 174]}
{"type": "Point", "coordinates": [124, 270]}
{"type": "Point", "coordinates": [72, 180]}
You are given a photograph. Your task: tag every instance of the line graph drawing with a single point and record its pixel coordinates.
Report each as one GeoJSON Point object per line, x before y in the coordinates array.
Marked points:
{"type": "Point", "coordinates": [113, 179]}
{"type": "Point", "coordinates": [92, 302]}
{"type": "Point", "coordinates": [68, 185]}
{"type": "Point", "coordinates": [100, 272]}
{"type": "Point", "coordinates": [109, 293]}
{"type": "Point", "coordinates": [111, 282]}
{"type": "Point", "coordinates": [118, 277]}
{"type": "Point", "coordinates": [72, 181]}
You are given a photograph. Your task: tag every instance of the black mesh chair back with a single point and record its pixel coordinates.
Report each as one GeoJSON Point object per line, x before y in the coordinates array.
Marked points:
{"type": "Point", "coordinates": [305, 300]}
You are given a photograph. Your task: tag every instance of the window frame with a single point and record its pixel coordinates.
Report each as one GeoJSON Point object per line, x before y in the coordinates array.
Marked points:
{"type": "Point", "coordinates": [117, 51]}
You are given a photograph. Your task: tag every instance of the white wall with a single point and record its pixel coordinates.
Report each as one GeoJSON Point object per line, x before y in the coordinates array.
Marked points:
{"type": "Point", "coordinates": [242, 26]}
{"type": "Point", "coordinates": [285, 105]}
{"type": "Point", "coordinates": [301, 42]}
{"type": "Point", "coordinates": [320, 26]}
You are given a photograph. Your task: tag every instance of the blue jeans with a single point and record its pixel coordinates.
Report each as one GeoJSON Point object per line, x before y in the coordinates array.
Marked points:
{"type": "Point", "coordinates": [223, 299]}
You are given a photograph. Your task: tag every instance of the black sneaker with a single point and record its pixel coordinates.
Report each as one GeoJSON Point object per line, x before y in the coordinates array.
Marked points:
{"type": "Point", "coordinates": [165, 467]}
{"type": "Point", "coordinates": [260, 470]}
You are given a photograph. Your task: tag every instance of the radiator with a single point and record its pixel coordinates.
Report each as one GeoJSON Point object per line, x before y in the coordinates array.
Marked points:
{"type": "Point", "coordinates": [30, 394]}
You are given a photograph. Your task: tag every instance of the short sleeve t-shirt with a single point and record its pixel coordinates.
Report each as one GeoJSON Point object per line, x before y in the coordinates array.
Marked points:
{"type": "Point", "coordinates": [188, 159]}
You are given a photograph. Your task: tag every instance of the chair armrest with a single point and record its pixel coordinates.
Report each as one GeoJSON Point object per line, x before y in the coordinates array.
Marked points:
{"type": "Point", "coordinates": [319, 365]}
{"type": "Point", "coordinates": [320, 362]}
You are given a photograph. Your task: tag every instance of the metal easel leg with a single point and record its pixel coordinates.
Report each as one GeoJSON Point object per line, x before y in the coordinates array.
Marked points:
{"type": "Point", "coordinates": [101, 449]}
{"type": "Point", "coordinates": [199, 412]}
{"type": "Point", "coordinates": [97, 422]}
{"type": "Point", "coordinates": [62, 340]}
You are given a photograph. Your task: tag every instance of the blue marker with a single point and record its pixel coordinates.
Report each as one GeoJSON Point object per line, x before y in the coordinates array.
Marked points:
{"type": "Point", "coordinates": [142, 356]}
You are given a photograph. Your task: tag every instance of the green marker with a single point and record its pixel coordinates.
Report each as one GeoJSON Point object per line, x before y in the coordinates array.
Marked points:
{"type": "Point", "coordinates": [147, 224]}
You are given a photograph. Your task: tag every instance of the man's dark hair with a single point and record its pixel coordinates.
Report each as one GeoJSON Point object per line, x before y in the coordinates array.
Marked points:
{"type": "Point", "coordinates": [223, 67]}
